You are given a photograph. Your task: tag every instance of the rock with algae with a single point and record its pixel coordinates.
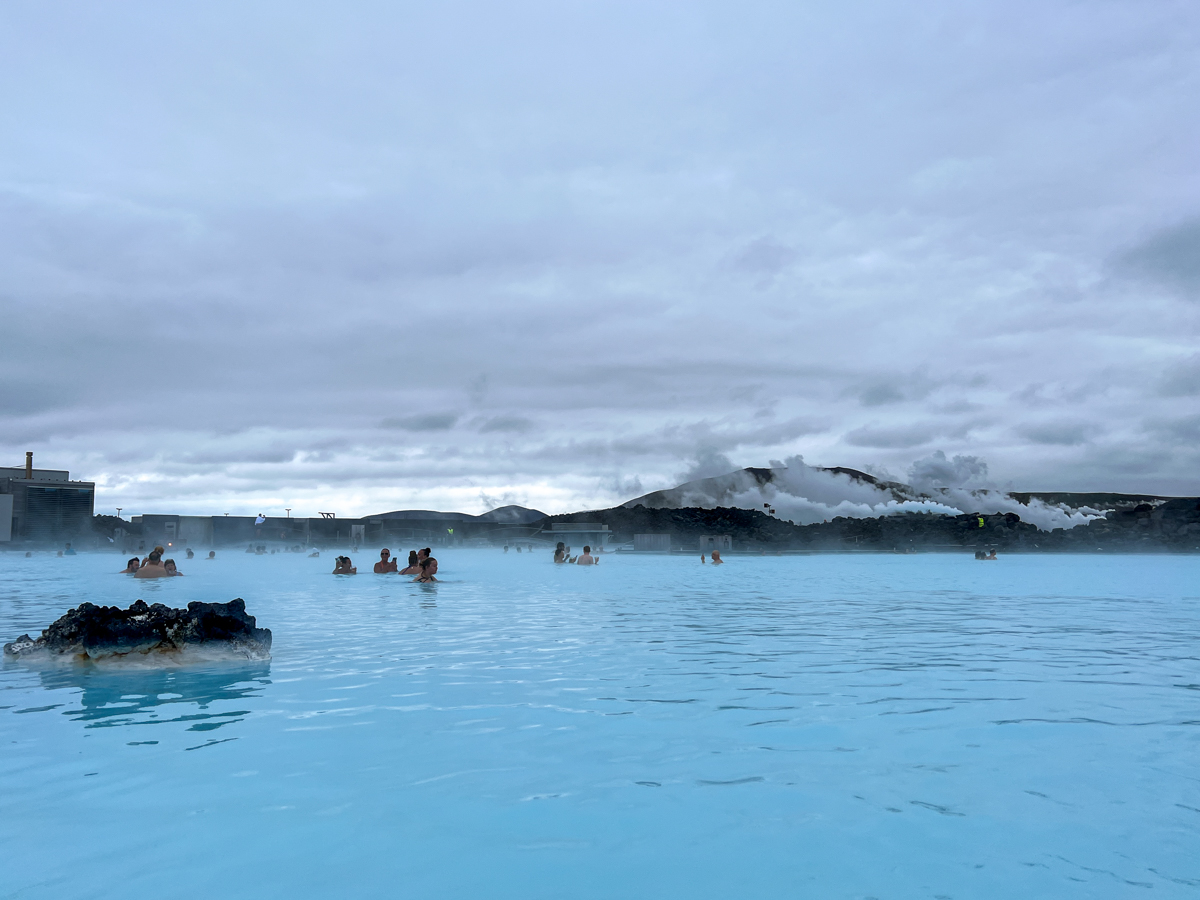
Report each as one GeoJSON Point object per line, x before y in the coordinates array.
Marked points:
{"type": "Point", "coordinates": [151, 633]}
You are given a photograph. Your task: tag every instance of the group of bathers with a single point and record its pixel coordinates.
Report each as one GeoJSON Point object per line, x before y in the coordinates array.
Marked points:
{"type": "Point", "coordinates": [421, 563]}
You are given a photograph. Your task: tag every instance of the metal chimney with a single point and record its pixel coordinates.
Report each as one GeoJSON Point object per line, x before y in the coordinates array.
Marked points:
{"type": "Point", "coordinates": [29, 464]}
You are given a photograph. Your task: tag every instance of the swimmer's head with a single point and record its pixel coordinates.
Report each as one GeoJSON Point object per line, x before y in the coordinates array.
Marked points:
{"type": "Point", "coordinates": [587, 549]}
{"type": "Point", "coordinates": [385, 553]}
{"type": "Point", "coordinates": [412, 557]}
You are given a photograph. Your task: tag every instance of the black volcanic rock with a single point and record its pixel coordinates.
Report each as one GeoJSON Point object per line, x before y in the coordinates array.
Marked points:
{"type": "Point", "coordinates": [204, 630]}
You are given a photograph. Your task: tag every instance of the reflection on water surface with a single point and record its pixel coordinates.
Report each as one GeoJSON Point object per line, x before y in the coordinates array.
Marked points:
{"type": "Point", "coordinates": [142, 696]}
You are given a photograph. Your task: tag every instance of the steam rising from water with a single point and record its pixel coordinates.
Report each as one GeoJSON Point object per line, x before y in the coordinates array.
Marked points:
{"type": "Point", "coordinates": [808, 494]}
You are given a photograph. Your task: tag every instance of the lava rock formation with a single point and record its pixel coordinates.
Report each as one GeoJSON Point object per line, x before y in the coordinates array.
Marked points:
{"type": "Point", "coordinates": [204, 630]}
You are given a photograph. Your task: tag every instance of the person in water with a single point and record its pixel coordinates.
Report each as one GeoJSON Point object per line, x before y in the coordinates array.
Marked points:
{"type": "Point", "coordinates": [153, 566]}
{"type": "Point", "coordinates": [585, 558]}
{"type": "Point", "coordinates": [212, 554]}
{"type": "Point", "coordinates": [69, 551]}
{"type": "Point", "coordinates": [190, 554]}
{"type": "Point", "coordinates": [344, 566]}
{"type": "Point", "coordinates": [414, 564]}
{"type": "Point", "coordinates": [428, 570]}
{"type": "Point", "coordinates": [132, 566]}
{"type": "Point", "coordinates": [716, 556]}
{"type": "Point", "coordinates": [560, 553]}
{"type": "Point", "coordinates": [415, 558]}
{"type": "Point", "coordinates": [386, 564]}
{"type": "Point", "coordinates": [169, 565]}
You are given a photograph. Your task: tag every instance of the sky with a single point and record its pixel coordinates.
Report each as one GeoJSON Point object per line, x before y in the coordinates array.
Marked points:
{"type": "Point", "coordinates": [361, 257]}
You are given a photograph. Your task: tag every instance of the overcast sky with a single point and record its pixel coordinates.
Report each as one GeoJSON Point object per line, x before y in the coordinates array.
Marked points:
{"type": "Point", "coordinates": [359, 257]}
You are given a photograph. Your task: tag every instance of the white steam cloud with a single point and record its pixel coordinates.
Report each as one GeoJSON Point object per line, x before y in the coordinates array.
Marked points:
{"type": "Point", "coordinates": [807, 494]}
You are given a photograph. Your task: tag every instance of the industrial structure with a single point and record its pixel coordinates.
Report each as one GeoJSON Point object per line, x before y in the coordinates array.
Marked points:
{"type": "Point", "coordinates": [42, 505]}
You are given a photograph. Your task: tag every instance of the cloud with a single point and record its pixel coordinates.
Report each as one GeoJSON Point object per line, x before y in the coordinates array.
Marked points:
{"type": "Point", "coordinates": [421, 422]}
{"type": "Point", "coordinates": [510, 424]}
{"type": "Point", "coordinates": [1181, 379]}
{"type": "Point", "coordinates": [1185, 429]}
{"type": "Point", "coordinates": [1065, 434]}
{"type": "Point", "coordinates": [382, 260]}
{"type": "Point", "coordinates": [895, 388]}
{"type": "Point", "coordinates": [1170, 256]}
{"type": "Point", "coordinates": [881, 394]}
{"type": "Point", "coordinates": [891, 436]}
{"type": "Point", "coordinates": [706, 463]}
{"type": "Point", "coordinates": [936, 471]}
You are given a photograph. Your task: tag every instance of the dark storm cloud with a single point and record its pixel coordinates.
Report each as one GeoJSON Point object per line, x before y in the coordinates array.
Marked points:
{"type": "Point", "coordinates": [1171, 256]}
{"type": "Point", "coordinates": [1182, 379]}
{"type": "Point", "coordinates": [1183, 430]}
{"type": "Point", "coordinates": [374, 257]}
{"type": "Point", "coordinates": [895, 388]}
{"type": "Point", "coordinates": [512, 424]}
{"type": "Point", "coordinates": [1068, 434]}
{"type": "Point", "coordinates": [421, 422]}
{"type": "Point", "coordinates": [881, 394]}
{"type": "Point", "coordinates": [892, 436]}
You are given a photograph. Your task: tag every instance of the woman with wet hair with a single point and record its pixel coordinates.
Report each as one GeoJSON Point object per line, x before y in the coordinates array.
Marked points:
{"type": "Point", "coordinates": [344, 566]}
{"type": "Point", "coordinates": [428, 570]}
{"type": "Point", "coordinates": [414, 564]}
{"type": "Point", "coordinates": [560, 553]}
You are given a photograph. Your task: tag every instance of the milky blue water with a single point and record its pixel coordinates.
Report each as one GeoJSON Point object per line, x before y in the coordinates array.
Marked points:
{"type": "Point", "coordinates": [823, 726]}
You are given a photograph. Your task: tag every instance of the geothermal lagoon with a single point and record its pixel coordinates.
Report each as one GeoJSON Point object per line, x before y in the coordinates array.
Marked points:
{"type": "Point", "coordinates": [887, 726]}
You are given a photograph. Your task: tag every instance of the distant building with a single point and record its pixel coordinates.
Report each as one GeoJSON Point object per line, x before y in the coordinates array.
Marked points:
{"type": "Point", "coordinates": [176, 531]}
{"type": "Point", "coordinates": [44, 504]}
{"type": "Point", "coordinates": [660, 543]}
{"type": "Point", "coordinates": [577, 535]}
{"type": "Point", "coordinates": [710, 542]}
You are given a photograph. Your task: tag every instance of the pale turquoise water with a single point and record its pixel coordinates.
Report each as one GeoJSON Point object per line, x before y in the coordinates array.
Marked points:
{"type": "Point", "coordinates": [828, 726]}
